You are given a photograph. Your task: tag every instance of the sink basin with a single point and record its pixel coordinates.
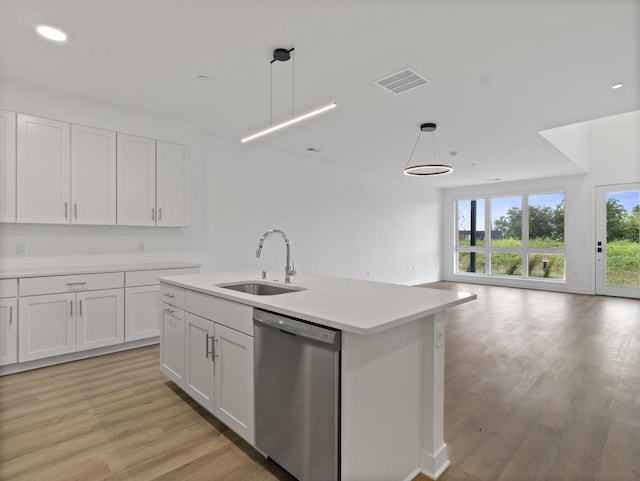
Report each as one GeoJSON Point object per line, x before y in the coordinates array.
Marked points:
{"type": "Point", "coordinates": [260, 289]}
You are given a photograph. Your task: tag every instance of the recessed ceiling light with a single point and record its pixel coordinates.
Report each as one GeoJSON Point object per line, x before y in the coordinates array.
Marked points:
{"type": "Point", "coordinates": [617, 86]}
{"type": "Point", "coordinates": [51, 33]}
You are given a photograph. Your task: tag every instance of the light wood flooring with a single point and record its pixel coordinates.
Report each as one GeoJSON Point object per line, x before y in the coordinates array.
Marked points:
{"type": "Point", "coordinates": [539, 386]}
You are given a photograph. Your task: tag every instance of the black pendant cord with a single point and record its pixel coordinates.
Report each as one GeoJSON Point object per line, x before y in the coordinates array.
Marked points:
{"type": "Point", "coordinates": [271, 96]}
{"type": "Point", "coordinates": [293, 84]}
{"type": "Point", "coordinates": [413, 150]}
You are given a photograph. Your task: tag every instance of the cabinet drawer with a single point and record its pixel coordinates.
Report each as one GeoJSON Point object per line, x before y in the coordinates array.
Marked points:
{"type": "Point", "coordinates": [173, 296]}
{"type": "Point", "coordinates": [33, 286]}
{"type": "Point", "coordinates": [8, 287]}
{"type": "Point", "coordinates": [149, 278]}
{"type": "Point", "coordinates": [231, 314]}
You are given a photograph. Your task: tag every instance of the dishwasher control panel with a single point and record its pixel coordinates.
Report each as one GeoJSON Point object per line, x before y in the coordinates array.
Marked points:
{"type": "Point", "coordinates": [297, 327]}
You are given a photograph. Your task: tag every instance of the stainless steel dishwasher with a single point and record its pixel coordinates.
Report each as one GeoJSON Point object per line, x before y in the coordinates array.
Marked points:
{"type": "Point", "coordinates": [297, 395]}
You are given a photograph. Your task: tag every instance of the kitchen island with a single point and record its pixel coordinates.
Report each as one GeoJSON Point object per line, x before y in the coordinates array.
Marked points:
{"type": "Point", "coordinates": [392, 362]}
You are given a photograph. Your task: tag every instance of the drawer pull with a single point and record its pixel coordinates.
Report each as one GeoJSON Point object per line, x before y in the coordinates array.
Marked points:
{"type": "Point", "coordinates": [71, 284]}
{"type": "Point", "coordinates": [10, 315]}
{"type": "Point", "coordinates": [170, 295]}
{"type": "Point", "coordinates": [169, 311]}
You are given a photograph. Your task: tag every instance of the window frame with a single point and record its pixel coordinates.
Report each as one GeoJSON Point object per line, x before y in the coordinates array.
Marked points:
{"type": "Point", "coordinates": [488, 249]}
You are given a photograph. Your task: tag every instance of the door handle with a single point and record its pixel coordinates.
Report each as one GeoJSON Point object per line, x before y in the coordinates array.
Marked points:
{"type": "Point", "coordinates": [160, 214]}
{"type": "Point", "coordinates": [153, 213]}
{"type": "Point", "coordinates": [80, 309]}
{"type": "Point", "coordinates": [207, 344]}
{"type": "Point", "coordinates": [75, 210]}
{"type": "Point", "coordinates": [71, 302]}
{"type": "Point", "coordinates": [599, 249]}
{"type": "Point", "coordinates": [66, 210]}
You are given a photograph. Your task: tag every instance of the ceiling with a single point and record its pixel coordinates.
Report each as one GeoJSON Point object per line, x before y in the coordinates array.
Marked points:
{"type": "Point", "coordinates": [500, 71]}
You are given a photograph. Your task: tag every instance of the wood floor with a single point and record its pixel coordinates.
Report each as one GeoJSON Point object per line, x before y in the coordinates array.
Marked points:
{"type": "Point", "coordinates": [539, 386]}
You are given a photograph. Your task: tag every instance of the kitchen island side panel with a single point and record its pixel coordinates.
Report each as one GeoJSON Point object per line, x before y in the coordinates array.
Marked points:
{"type": "Point", "coordinates": [381, 389]}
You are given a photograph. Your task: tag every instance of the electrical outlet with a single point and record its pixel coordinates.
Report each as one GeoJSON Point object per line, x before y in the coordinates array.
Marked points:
{"type": "Point", "coordinates": [23, 248]}
{"type": "Point", "coordinates": [142, 246]}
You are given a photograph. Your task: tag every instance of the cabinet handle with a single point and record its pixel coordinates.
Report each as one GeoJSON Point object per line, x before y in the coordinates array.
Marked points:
{"type": "Point", "coordinates": [213, 348]}
{"type": "Point", "coordinates": [71, 284]}
{"type": "Point", "coordinates": [66, 211]}
{"type": "Point", "coordinates": [160, 214]}
{"type": "Point", "coordinates": [75, 210]}
{"type": "Point", "coordinates": [206, 346]}
{"type": "Point", "coordinates": [71, 302]}
{"type": "Point", "coordinates": [80, 310]}
{"type": "Point", "coordinates": [169, 311]}
{"type": "Point", "coordinates": [153, 213]}
{"type": "Point", "coordinates": [169, 295]}
{"type": "Point", "coordinates": [10, 315]}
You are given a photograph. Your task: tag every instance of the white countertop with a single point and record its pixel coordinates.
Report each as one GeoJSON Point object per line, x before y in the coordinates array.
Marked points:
{"type": "Point", "coordinates": [361, 307]}
{"type": "Point", "coordinates": [89, 269]}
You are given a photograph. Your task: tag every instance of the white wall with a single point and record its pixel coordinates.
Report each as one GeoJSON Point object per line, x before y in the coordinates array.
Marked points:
{"type": "Point", "coordinates": [341, 222]}
{"type": "Point", "coordinates": [612, 148]}
{"type": "Point", "coordinates": [65, 244]}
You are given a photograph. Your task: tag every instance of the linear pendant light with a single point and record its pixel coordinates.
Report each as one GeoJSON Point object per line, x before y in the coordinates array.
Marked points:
{"type": "Point", "coordinates": [289, 122]}
{"type": "Point", "coordinates": [283, 55]}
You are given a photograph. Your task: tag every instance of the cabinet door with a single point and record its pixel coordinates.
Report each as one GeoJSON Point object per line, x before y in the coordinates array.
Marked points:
{"type": "Point", "coordinates": [199, 353]}
{"type": "Point", "coordinates": [46, 326]}
{"type": "Point", "coordinates": [43, 171]}
{"type": "Point", "coordinates": [172, 160]}
{"type": "Point", "coordinates": [7, 166]}
{"type": "Point", "coordinates": [8, 332]}
{"type": "Point", "coordinates": [234, 381]}
{"type": "Point", "coordinates": [136, 180]}
{"type": "Point", "coordinates": [172, 349]}
{"type": "Point", "coordinates": [93, 176]}
{"type": "Point", "coordinates": [99, 318]}
{"type": "Point", "coordinates": [141, 314]}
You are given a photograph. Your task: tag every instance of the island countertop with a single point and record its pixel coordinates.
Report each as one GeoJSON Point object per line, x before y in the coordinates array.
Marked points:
{"type": "Point", "coordinates": [357, 306]}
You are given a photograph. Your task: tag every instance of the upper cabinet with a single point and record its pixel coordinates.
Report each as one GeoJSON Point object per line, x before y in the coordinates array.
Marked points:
{"type": "Point", "coordinates": [171, 175]}
{"type": "Point", "coordinates": [93, 176]}
{"type": "Point", "coordinates": [151, 182]}
{"type": "Point", "coordinates": [54, 172]}
{"type": "Point", "coordinates": [136, 180]}
{"type": "Point", "coordinates": [7, 166]}
{"type": "Point", "coordinates": [43, 169]}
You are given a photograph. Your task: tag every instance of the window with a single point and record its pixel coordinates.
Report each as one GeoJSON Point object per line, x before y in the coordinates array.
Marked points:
{"type": "Point", "coordinates": [526, 237]}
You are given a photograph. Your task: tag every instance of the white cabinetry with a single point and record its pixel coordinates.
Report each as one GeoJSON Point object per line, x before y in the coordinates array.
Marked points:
{"type": "Point", "coordinates": [234, 381]}
{"type": "Point", "coordinates": [7, 166]}
{"type": "Point", "coordinates": [47, 327]}
{"type": "Point", "coordinates": [136, 180]}
{"type": "Point", "coordinates": [43, 170]}
{"type": "Point", "coordinates": [64, 314]}
{"type": "Point", "coordinates": [217, 355]}
{"type": "Point", "coordinates": [93, 176]}
{"type": "Point", "coordinates": [8, 322]}
{"type": "Point", "coordinates": [99, 319]}
{"type": "Point", "coordinates": [142, 295]}
{"type": "Point", "coordinates": [172, 346]}
{"type": "Point", "coordinates": [172, 161]}
{"type": "Point", "coordinates": [141, 317]}
{"type": "Point", "coordinates": [199, 375]}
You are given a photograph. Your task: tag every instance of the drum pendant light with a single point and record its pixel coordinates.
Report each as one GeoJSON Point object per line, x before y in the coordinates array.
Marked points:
{"type": "Point", "coordinates": [437, 168]}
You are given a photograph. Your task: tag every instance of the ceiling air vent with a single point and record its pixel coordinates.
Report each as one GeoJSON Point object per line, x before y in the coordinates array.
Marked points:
{"type": "Point", "coordinates": [402, 81]}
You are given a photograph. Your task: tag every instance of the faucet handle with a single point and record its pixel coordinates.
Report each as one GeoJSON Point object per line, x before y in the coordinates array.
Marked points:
{"type": "Point", "coordinates": [264, 274]}
{"type": "Point", "coordinates": [292, 272]}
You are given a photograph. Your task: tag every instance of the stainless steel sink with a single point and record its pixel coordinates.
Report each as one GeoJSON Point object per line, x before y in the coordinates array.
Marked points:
{"type": "Point", "coordinates": [259, 289]}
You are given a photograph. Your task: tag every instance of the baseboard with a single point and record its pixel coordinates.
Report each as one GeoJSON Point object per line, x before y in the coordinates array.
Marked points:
{"type": "Point", "coordinates": [412, 475]}
{"type": "Point", "coordinates": [418, 282]}
{"type": "Point", "coordinates": [433, 465]}
{"type": "Point", "coordinates": [518, 284]}
{"type": "Point", "coordinates": [75, 356]}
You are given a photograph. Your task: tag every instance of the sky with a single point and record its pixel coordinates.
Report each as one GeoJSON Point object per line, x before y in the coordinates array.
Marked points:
{"type": "Point", "coordinates": [500, 206]}
{"type": "Point", "coordinates": [628, 199]}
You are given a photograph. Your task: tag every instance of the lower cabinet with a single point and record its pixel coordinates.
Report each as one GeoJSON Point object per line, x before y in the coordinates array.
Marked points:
{"type": "Point", "coordinates": [141, 312]}
{"type": "Point", "coordinates": [55, 324]}
{"type": "Point", "coordinates": [8, 331]}
{"type": "Point", "coordinates": [172, 345]}
{"type": "Point", "coordinates": [212, 362]}
{"type": "Point", "coordinates": [99, 319]}
{"type": "Point", "coordinates": [200, 341]}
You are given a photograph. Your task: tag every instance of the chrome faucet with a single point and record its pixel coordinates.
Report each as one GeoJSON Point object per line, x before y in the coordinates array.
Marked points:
{"type": "Point", "coordinates": [289, 269]}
